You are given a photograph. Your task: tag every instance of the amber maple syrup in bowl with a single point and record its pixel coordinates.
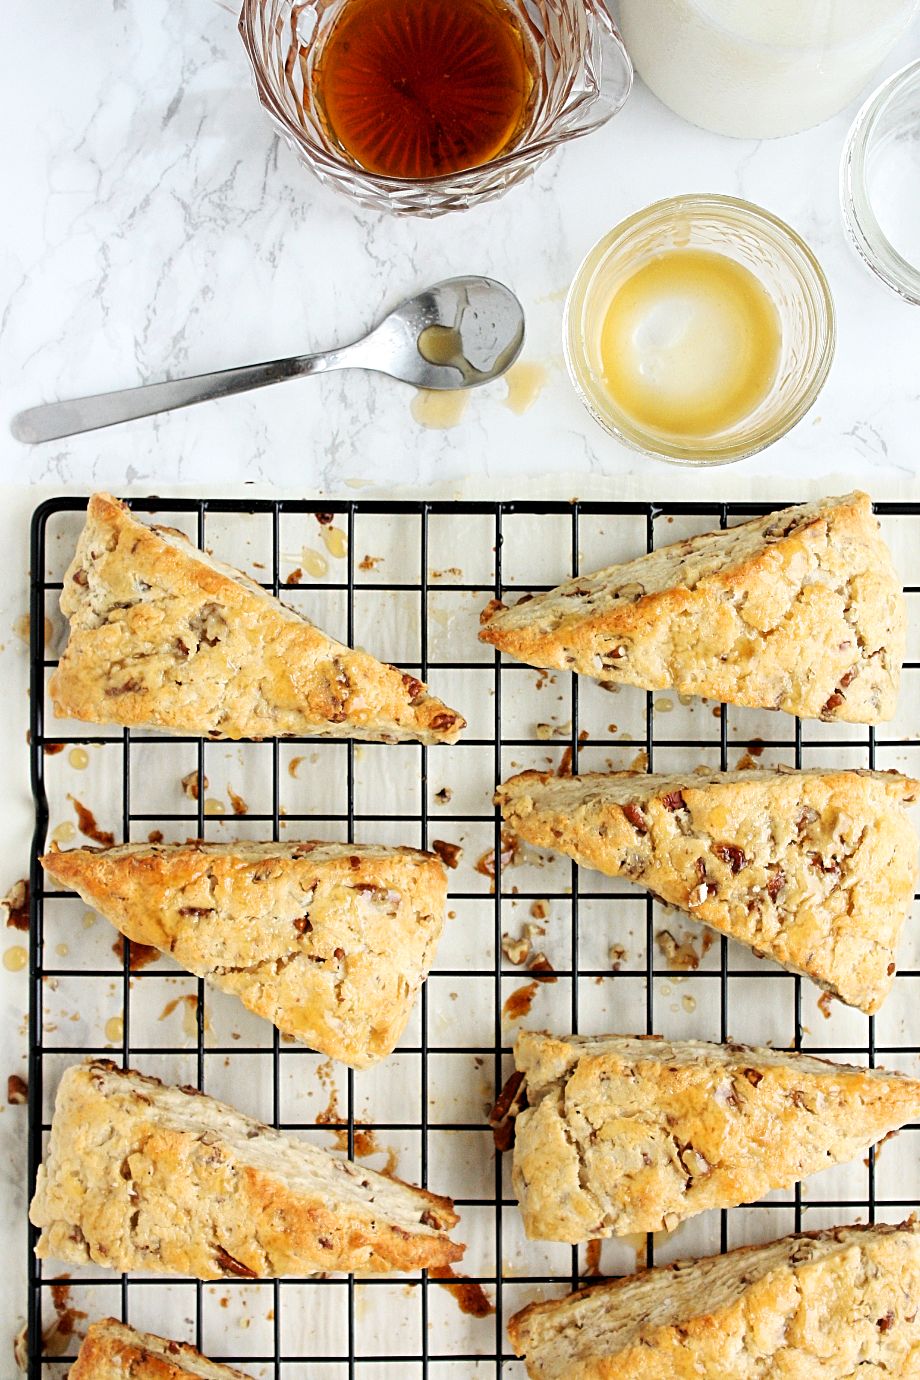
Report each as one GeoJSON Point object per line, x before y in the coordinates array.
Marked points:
{"type": "Point", "coordinates": [425, 88]}
{"type": "Point", "coordinates": [427, 106]}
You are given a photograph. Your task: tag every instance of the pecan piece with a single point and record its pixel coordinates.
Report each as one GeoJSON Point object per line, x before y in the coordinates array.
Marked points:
{"type": "Point", "coordinates": [230, 1266]}
{"type": "Point", "coordinates": [441, 723]}
{"type": "Point", "coordinates": [831, 868]}
{"type": "Point", "coordinates": [414, 687]}
{"type": "Point", "coordinates": [833, 702]}
{"type": "Point", "coordinates": [492, 607]}
{"type": "Point", "coordinates": [731, 855]}
{"type": "Point", "coordinates": [635, 817]}
{"type": "Point", "coordinates": [128, 687]}
{"type": "Point", "coordinates": [775, 884]}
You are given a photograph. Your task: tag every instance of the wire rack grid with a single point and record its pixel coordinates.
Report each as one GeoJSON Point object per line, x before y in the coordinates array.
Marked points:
{"type": "Point", "coordinates": [427, 1110]}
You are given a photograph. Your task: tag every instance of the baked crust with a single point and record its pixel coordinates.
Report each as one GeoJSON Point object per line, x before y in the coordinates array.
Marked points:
{"type": "Point", "coordinates": [624, 1135]}
{"type": "Point", "coordinates": [824, 1305]}
{"type": "Point", "coordinates": [163, 634]}
{"type": "Point", "coordinates": [801, 610]}
{"type": "Point", "coordinates": [329, 941]}
{"type": "Point", "coordinates": [140, 1175]}
{"type": "Point", "coordinates": [815, 869]}
{"type": "Point", "coordinates": [114, 1351]}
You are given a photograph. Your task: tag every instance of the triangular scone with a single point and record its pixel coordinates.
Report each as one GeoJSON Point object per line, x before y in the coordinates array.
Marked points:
{"type": "Point", "coordinates": [623, 1134]}
{"type": "Point", "coordinates": [112, 1350]}
{"type": "Point", "coordinates": [815, 869]}
{"type": "Point", "coordinates": [832, 1304]}
{"type": "Point", "coordinates": [801, 610]}
{"type": "Point", "coordinates": [139, 1175]}
{"type": "Point", "coordinates": [163, 634]}
{"type": "Point", "coordinates": [329, 941]}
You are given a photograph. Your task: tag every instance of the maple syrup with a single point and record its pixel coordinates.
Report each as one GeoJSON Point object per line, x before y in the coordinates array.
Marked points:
{"type": "Point", "coordinates": [424, 88]}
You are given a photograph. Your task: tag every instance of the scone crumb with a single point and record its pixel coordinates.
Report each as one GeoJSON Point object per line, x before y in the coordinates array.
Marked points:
{"type": "Point", "coordinates": [517, 950]}
{"type": "Point", "coordinates": [681, 953]}
{"type": "Point", "coordinates": [618, 956]}
{"type": "Point", "coordinates": [592, 1268]}
{"type": "Point", "coordinates": [191, 785]}
{"type": "Point", "coordinates": [17, 1090]}
{"type": "Point", "coordinates": [510, 848]}
{"type": "Point", "coordinates": [16, 904]}
{"type": "Point", "coordinates": [541, 965]}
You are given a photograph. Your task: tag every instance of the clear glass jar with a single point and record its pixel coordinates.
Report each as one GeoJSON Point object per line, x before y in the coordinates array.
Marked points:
{"type": "Point", "coordinates": [583, 77]}
{"type": "Point", "coordinates": [880, 183]}
{"type": "Point", "coordinates": [782, 263]}
{"type": "Point", "coordinates": [760, 68]}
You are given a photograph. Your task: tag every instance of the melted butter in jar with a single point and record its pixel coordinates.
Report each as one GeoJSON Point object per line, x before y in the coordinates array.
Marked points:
{"type": "Point", "coordinates": [690, 344]}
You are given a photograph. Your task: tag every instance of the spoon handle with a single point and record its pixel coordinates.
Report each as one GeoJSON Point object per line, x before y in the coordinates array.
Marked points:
{"type": "Point", "coordinates": [50, 421]}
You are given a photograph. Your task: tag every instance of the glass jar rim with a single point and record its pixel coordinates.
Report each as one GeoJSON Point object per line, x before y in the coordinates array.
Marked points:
{"type": "Point", "coordinates": [863, 227]}
{"type": "Point", "coordinates": [796, 251]}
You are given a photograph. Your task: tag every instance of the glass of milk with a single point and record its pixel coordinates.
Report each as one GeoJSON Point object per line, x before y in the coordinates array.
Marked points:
{"type": "Point", "coordinates": [757, 69]}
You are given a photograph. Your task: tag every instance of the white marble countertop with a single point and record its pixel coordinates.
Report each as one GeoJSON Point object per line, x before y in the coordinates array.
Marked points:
{"type": "Point", "coordinates": [155, 225]}
{"type": "Point", "coordinates": [159, 226]}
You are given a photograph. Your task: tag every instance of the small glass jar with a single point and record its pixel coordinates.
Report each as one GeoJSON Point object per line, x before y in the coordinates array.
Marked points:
{"type": "Point", "coordinates": [763, 244]}
{"type": "Point", "coordinates": [582, 77]}
{"type": "Point", "coordinates": [880, 182]}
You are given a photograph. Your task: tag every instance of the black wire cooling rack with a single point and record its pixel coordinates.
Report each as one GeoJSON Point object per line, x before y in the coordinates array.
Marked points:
{"type": "Point", "coordinates": [558, 528]}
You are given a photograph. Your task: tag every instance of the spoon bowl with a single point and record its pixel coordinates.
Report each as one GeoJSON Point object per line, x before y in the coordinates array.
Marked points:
{"type": "Point", "coordinates": [460, 333]}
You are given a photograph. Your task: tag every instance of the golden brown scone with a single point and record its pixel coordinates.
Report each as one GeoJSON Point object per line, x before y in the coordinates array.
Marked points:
{"type": "Point", "coordinates": [329, 941]}
{"type": "Point", "coordinates": [801, 610]}
{"type": "Point", "coordinates": [815, 869]}
{"type": "Point", "coordinates": [114, 1351]}
{"type": "Point", "coordinates": [624, 1135]}
{"type": "Point", "coordinates": [163, 634]}
{"type": "Point", "coordinates": [139, 1175]}
{"type": "Point", "coordinates": [826, 1305]}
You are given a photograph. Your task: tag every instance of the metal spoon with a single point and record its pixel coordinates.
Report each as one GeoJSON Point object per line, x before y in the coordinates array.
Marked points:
{"type": "Point", "coordinates": [456, 334]}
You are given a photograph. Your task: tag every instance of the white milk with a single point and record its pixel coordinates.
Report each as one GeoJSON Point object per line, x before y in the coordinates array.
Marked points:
{"type": "Point", "coordinates": [760, 68]}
